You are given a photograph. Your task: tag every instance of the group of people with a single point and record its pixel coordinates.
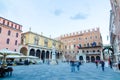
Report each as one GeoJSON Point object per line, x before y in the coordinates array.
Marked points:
{"type": "Point", "coordinates": [103, 64]}
{"type": "Point", "coordinates": [75, 64]}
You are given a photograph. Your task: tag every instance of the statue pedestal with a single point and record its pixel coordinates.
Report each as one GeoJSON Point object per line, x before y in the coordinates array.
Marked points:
{"type": "Point", "coordinates": [53, 62]}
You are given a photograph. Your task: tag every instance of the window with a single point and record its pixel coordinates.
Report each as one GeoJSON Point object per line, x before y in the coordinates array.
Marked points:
{"type": "Point", "coordinates": [3, 21]}
{"type": "Point", "coordinates": [65, 47]}
{"type": "Point", "coordinates": [96, 37]}
{"type": "Point", "coordinates": [83, 51]}
{"type": "Point", "coordinates": [8, 41]}
{"type": "Point", "coordinates": [74, 45]}
{"type": "Point", "coordinates": [0, 29]}
{"type": "Point", "coordinates": [79, 38]}
{"type": "Point", "coordinates": [93, 50]}
{"type": "Point", "coordinates": [12, 25]}
{"type": "Point", "coordinates": [9, 32]}
{"type": "Point", "coordinates": [84, 45]}
{"type": "Point", "coordinates": [91, 37]}
{"type": "Point", "coordinates": [15, 26]}
{"type": "Point", "coordinates": [87, 44]}
{"type": "Point", "coordinates": [16, 42]}
{"type": "Point", "coordinates": [16, 34]}
{"type": "Point", "coordinates": [7, 23]}
{"type": "Point", "coordinates": [46, 42]}
{"type": "Point", "coordinates": [98, 50]}
{"type": "Point", "coordinates": [15, 50]}
{"type": "Point", "coordinates": [19, 27]}
{"type": "Point", "coordinates": [80, 45]}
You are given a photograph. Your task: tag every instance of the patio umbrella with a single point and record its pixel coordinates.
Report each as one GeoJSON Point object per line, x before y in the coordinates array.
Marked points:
{"type": "Point", "coordinates": [6, 52]}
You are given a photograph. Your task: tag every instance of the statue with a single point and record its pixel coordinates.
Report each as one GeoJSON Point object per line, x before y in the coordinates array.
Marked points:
{"type": "Point", "coordinates": [53, 61]}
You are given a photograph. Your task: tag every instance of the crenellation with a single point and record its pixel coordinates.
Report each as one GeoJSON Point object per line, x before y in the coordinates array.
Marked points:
{"type": "Point", "coordinates": [80, 32]}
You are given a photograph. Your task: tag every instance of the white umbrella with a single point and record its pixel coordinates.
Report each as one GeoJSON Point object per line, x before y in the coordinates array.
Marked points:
{"type": "Point", "coordinates": [6, 52]}
{"type": "Point", "coordinates": [32, 57]}
{"type": "Point", "coordinates": [13, 56]}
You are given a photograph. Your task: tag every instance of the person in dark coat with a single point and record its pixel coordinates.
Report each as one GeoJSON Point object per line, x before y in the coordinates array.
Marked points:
{"type": "Point", "coordinates": [119, 65]}
{"type": "Point", "coordinates": [96, 62]}
{"type": "Point", "coordinates": [102, 65]}
{"type": "Point", "coordinates": [110, 63]}
{"type": "Point", "coordinates": [78, 65]}
{"type": "Point", "coordinates": [72, 64]}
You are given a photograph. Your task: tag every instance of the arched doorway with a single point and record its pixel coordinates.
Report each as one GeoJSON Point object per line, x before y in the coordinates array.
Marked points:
{"type": "Point", "coordinates": [38, 53]}
{"type": "Point", "coordinates": [61, 55]}
{"type": "Point", "coordinates": [87, 58]}
{"type": "Point", "coordinates": [47, 54]}
{"type": "Point", "coordinates": [98, 58]}
{"type": "Point", "coordinates": [81, 58]}
{"type": "Point", "coordinates": [92, 59]}
{"type": "Point", "coordinates": [32, 52]}
{"type": "Point", "coordinates": [43, 55]}
{"type": "Point", "coordinates": [108, 52]}
{"type": "Point", "coordinates": [57, 55]}
{"type": "Point", "coordinates": [23, 50]}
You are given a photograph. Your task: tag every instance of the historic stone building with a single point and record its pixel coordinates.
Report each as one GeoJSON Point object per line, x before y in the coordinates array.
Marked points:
{"type": "Point", "coordinates": [114, 28]}
{"type": "Point", "coordinates": [33, 44]}
{"type": "Point", "coordinates": [10, 34]}
{"type": "Point", "coordinates": [83, 45]}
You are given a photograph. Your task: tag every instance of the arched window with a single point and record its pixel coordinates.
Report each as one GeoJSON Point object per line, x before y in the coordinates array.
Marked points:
{"type": "Point", "coordinates": [93, 50]}
{"type": "Point", "coordinates": [87, 51]}
{"type": "Point", "coordinates": [16, 42]}
{"type": "Point", "coordinates": [83, 51]}
{"type": "Point", "coordinates": [16, 34]}
{"type": "Point", "coordinates": [98, 50]}
{"type": "Point", "coordinates": [8, 41]}
{"type": "Point", "coordinates": [9, 32]}
{"type": "Point", "coordinates": [0, 29]}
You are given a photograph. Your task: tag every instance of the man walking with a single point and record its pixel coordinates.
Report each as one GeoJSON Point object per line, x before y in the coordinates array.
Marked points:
{"type": "Point", "coordinates": [102, 65]}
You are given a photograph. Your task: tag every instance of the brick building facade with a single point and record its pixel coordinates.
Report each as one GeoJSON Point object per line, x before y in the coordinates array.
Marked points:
{"type": "Point", "coordinates": [84, 45]}
{"type": "Point", "coordinates": [114, 28]}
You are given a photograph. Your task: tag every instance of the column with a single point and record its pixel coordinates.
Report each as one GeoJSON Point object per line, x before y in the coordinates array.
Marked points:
{"type": "Point", "coordinates": [84, 58]}
{"type": "Point", "coordinates": [101, 55]}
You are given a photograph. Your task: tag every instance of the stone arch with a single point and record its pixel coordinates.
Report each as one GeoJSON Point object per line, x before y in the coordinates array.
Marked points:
{"type": "Point", "coordinates": [97, 57]}
{"type": "Point", "coordinates": [23, 50]}
{"type": "Point", "coordinates": [80, 57]}
{"type": "Point", "coordinates": [87, 58]}
{"type": "Point", "coordinates": [109, 49]}
{"type": "Point", "coordinates": [47, 54]}
{"type": "Point", "coordinates": [43, 55]}
{"type": "Point", "coordinates": [38, 53]}
{"type": "Point", "coordinates": [32, 52]}
{"type": "Point", "coordinates": [92, 59]}
{"type": "Point", "coordinates": [57, 55]}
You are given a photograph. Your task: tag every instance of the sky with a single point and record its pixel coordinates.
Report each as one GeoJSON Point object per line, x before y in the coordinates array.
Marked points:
{"type": "Point", "coordinates": [58, 17]}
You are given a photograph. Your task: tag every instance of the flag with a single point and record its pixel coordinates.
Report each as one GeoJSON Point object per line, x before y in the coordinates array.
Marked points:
{"type": "Point", "coordinates": [78, 47]}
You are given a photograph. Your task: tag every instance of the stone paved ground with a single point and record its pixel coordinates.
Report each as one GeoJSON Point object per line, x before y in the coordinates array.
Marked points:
{"type": "Point", "coordinates": [62, 71]}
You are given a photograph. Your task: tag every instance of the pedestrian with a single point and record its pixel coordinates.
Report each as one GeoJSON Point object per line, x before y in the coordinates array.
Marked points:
{"type": "Point", "coordinates": [110, 63]}
{"type": "Point", "coordinates": [102, 65]}
{"type": "Point", "coordinates": [119, 65]}
{"type": "Point", "coordinates": [96, 62]}
{"type": "Point", "coordinates": [78, 65]}
{"type": "Point", "coordinates": [72, 64]}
